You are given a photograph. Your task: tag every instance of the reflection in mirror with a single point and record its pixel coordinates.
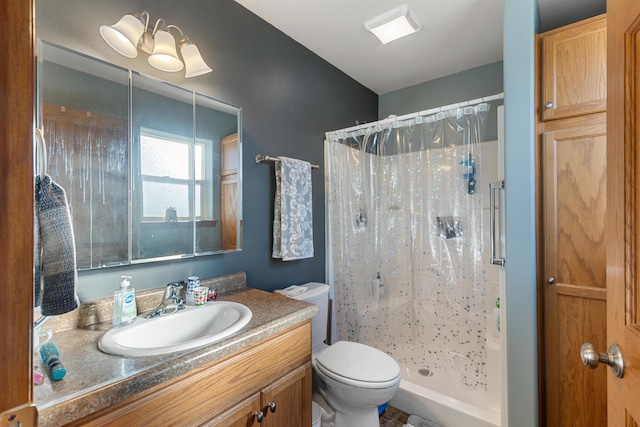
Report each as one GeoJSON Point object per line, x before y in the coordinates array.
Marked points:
{"type": "Point", "coordinates": [141, 161]}
{"type": "Point", "coordinates": [84, 113]}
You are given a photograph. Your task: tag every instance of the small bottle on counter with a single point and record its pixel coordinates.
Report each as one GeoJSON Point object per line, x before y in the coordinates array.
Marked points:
{"type": "Point", "coordinates": [124, 303]}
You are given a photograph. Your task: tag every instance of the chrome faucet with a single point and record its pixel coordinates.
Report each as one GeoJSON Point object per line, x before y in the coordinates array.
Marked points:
{"type": "Point", "coordinates": [171, 302]}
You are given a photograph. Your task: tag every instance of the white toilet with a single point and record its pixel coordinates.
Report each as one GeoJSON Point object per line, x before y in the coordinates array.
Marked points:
{"type": "Point", "coordinates": [352, 379]}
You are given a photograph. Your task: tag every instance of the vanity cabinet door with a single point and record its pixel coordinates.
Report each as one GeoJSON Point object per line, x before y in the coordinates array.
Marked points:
{"type": "Point", "coordinates": [574, 68]}
{"type": "Point", "coordinates": [244, 414]}
{"type": "Point", "coordinates": [291, 396]}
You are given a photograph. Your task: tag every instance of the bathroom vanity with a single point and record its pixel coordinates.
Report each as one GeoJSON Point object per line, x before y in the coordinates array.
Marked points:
{"type": "Point", "coordinates": [260, 376]}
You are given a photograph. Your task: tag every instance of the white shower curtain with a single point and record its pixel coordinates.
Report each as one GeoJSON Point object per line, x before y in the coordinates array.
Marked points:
{"type": "Point", "coordinates": [404, 201]}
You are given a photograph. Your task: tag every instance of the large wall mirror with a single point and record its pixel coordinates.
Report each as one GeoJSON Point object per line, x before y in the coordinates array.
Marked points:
{"type": "Point", "coordinates": [151, 170]}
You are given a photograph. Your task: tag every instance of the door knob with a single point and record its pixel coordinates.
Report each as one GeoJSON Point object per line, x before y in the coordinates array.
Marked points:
{"type": "Point", "coordinates": [259, 416]}
{"type": "Point", "coordinates": [591, 358]}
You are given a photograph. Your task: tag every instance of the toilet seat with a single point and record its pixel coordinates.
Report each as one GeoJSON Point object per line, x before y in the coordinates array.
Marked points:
{"type": "Point", "coordinates": [358, 365]}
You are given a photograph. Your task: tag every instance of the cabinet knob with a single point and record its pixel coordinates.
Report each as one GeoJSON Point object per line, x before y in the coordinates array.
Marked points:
{"type": "Point", "coordinates": [271, 406]}
{"type": "Point", "coordinates": [259, 416]}
{"type": "Point", "coordinates": [551, 280]}
{"type": "Point", "coordinates": [548, 105]}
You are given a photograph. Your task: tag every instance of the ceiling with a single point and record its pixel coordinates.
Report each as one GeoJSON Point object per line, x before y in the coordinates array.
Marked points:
{"type": "Point", "coordinates": [456, 35]}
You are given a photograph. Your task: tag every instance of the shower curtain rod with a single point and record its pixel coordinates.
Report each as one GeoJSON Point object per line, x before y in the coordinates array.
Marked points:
{"type": "Point", "coordinates": [418, 114]}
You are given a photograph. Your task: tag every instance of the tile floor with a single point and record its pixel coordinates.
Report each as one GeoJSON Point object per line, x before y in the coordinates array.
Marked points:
{"type": "Point", "coordinates": [393, 417]}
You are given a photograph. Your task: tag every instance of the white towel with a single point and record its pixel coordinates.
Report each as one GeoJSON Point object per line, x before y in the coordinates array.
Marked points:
{"type": "Point", "coordinates": [293, 214]}
{"type": "Point", "coordinates": [292, 291]}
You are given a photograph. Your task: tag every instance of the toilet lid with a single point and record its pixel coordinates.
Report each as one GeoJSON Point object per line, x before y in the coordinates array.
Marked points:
{"type": "Point", "coordinates": [358, 363]}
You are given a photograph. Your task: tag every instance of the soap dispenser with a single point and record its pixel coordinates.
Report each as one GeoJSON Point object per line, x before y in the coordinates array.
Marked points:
{"type": "Point", "coordinates": [124, 303]}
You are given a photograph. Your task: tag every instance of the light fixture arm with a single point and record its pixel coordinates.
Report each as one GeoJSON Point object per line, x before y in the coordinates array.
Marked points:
{"type": "Point", "coordinates": [146, 21]}
{"type": "Point", "coordinates": [159, 22]}
{"type": "Point", "coordinates": [177, 28]}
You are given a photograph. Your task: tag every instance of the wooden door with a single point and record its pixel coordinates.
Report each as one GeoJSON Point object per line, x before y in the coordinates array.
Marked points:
{"type": "Point", "coordinates": [623, 208]}
{"type": "Point", "coordinates": [291, 396]}
{"type": "Point", "coordinates": [16, 210]}
{"type": "Point", "coordinates": [574, 200]}
{"type": "Point", "coordinates": [574, 69]}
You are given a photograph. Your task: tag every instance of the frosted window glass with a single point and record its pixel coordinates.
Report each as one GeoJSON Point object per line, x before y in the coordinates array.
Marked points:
{"type": "Point", "coordinates": [158, 196]}
{"type": "Point", "coordinates": [161, 157]}
{"type": "Point", "coordinates": [199, 162]}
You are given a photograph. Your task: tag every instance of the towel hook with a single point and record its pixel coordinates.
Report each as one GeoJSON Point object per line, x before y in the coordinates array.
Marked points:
{"type": "Point", "coordinates": [42, 153]}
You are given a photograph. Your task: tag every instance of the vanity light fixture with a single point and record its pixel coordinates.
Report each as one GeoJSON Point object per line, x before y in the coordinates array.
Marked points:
{"type": "Point", "coordinates": [132, 32]}
{"type": "Point", "coordinates": [394, 24]}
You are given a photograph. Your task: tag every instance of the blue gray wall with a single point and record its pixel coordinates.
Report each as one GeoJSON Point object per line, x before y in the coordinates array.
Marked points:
{"type": "Point", "coordinates": [521, 24]}
{"type": "Point", "coordinates": [464, 86]}
{"type": "Point", "coordinates": [289, 98]}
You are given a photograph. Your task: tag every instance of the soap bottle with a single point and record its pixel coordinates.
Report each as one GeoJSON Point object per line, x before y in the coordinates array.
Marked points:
{"type": "Point", "coordinates": [124, 303]}
{"type": "Point", "coordinates": [496, 318]}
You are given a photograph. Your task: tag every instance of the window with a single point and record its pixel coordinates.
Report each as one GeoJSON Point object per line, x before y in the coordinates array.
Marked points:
{"type": "Point", "coordinates": [167, 164]}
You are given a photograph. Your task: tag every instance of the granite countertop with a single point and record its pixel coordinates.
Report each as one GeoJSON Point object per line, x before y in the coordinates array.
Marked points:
{"type": "Point", "coordinates": [96, 380]}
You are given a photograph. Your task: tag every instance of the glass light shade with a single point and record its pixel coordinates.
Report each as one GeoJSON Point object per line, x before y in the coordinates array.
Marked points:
{"type": "Point", "coordinates": [193, 62]}
{"type": "Point", "coordinates": [123, 36]}
{"type": "Point", "coordinates": [164, 56]}
{"type": "Point", "coordinates": [394, 24]}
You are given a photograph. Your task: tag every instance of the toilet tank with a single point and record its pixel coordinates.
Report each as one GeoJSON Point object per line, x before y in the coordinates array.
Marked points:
{"type": "Point", "coordinates": [317, 293]}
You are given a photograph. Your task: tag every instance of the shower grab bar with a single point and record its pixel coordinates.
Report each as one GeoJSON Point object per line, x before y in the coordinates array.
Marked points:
{"type": "Point", "coordinates": [492, 219]}
{"type": "Point", "coordinates": [260, 158]}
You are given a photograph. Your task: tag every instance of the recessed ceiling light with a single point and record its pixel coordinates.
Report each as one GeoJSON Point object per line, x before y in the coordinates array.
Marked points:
{"type": "Point", "coordinates": [392, 25]}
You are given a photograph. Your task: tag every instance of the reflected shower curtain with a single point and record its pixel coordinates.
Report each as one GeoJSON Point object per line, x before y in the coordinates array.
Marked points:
{"type": "Point", "coordinates": [405, 205]}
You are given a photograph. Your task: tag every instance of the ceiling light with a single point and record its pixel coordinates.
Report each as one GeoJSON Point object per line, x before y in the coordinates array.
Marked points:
{"type": "Point", "coordinates": [394, 24]}
{"type": "Point", "coordinates": [132, 32]}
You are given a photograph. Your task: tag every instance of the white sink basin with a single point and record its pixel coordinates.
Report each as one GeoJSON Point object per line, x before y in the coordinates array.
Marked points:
{"type": "Point", "coordinates": [188, 329]}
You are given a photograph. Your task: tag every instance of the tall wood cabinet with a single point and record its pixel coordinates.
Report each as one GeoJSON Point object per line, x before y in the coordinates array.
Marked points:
{"type": "Point", "coordinates": [571, 165]}
{"type": "Point", "coordinates": [229, 192]}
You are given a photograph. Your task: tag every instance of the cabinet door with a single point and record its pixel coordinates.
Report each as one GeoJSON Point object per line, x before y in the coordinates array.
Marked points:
{"type": "Point", "coordinates": [574, 68]}
{"type": "Point", "coordinates": [229, 217]}
{"type": "Point", "coordinates": [229, 155]}
{"type": "Point", "coordinates": [574, 271]}
{"type": "Point", "coordinates": [291, 396]}
{"type": "Point", "coordinates": [244, 414]}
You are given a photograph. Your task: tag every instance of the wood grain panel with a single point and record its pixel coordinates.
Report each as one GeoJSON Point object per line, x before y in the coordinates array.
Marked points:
{"type": "Point", "coordinates": [571, 388]}
{"type": "Point", "coordinates": [575, 205]}
{"type": "Point", "coordinates": [574, 69]}
{"type": "Point", "coordinates": [288, 392]}
{"type": "Point", "coordinates": [623, 206]}
{"type": "Point", "coordinates": [241, 415]}
{"type": "Point", "coordinates": [572, 208]}
{"type": "Point", "coordinates": [16, 202]}
{"type": "Point", "coordinates": [229, 218]}
{"type": "Point", "coordinates": [197, 397]}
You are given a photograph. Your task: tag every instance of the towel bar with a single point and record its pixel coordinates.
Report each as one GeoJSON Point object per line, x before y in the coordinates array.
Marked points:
{"type": "Point", "coordinates": [260, 158]}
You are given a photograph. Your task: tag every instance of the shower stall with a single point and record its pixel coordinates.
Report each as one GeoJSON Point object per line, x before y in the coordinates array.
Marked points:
{"type": "Point", "coordinates": [409, 256]}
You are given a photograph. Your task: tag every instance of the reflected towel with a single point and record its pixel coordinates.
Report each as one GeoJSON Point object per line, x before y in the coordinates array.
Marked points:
{"type": "Point", "coordinates": [293, 217]}
{"type": "Point", "coordinates": [55, 263]}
